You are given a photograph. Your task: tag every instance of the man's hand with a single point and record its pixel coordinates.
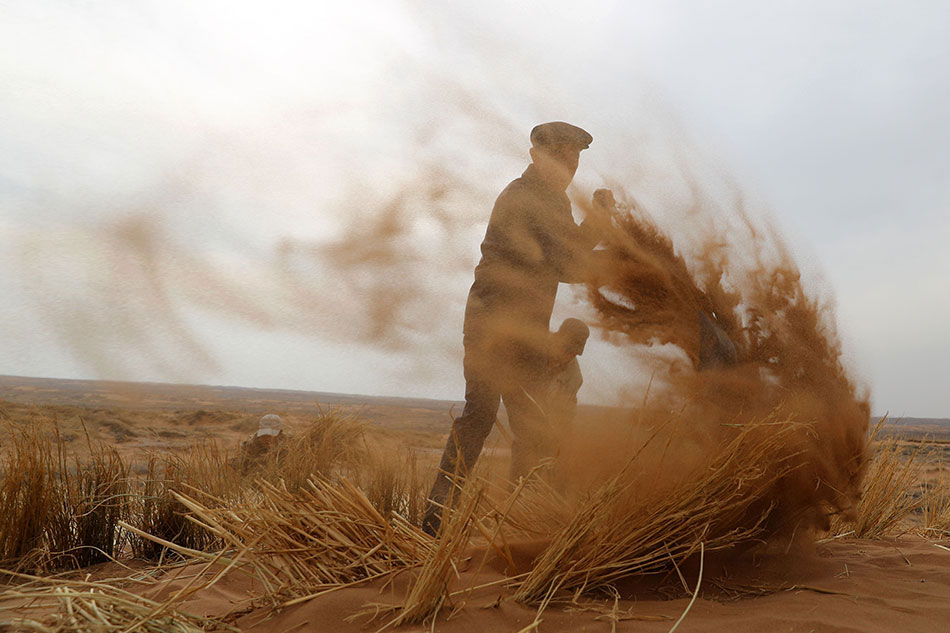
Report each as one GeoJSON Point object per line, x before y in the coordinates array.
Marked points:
{"type": "Point", "coordinates": [602, 211]}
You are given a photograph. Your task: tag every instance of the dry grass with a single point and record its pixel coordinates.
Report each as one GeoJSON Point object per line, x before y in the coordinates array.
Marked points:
{"type": "Point", "coordinates": [613, 535]}
{"type": "Point", "coordinates": [160, 514]}
{"type": "Point", "coordinates": [394, 485]}
{"type": "Point", "coordinates": [887, 498]}
{"type": "Point", "coordinates": [85, 528]}
{"type": "Point", "coordinates": [936, 509]}
{"type": "Point", "coordinates": [90, 607]}
{"type": "Point", "coordinates": [430, 587]}
{"type": "Point", "coordinates": [332, 445]}
{"type": "Point", "coordinates": [321, 536]}
{"type": "Point", "coordinates": [29, 496]}
{"type": "Point", "coordinates": [58, 513]}
{"type": "Point", "coordinates": [330, 510]}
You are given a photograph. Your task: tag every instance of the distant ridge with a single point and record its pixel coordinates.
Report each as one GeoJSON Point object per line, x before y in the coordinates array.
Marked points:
{"type": "Point", "coordinates": [907, 421]}
{"type": "Point", "coordinates": [91, 392]}
{"type": "Point", "coordinates": [71, 391]}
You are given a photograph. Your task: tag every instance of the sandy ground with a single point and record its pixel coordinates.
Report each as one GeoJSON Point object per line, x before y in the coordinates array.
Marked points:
{"type": "Point", "coordinates": [845, 585]}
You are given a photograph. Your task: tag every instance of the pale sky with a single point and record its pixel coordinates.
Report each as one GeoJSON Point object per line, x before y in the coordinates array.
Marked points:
{"type": "Point", "coordinates": [293, 197]}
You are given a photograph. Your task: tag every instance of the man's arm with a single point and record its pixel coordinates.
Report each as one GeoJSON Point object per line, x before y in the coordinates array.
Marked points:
{"type": "Point", "coordinates": [567, 246]}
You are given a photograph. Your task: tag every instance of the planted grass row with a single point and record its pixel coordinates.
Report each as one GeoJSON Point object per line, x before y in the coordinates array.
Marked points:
{"type": "Point", "coordinates": [60, 512]}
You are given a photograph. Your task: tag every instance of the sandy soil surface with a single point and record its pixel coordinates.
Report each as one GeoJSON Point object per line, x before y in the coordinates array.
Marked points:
{"type": "Point", "coordinates": [845, 585]}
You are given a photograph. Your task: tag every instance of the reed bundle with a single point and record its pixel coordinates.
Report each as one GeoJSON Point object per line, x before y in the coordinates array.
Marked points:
{"type": "Point", "coordinates": [430, 588]}
{"type": "Point", "coordinates": [619, 531]}
{"type": "Point", "coordinates": [322, 535]}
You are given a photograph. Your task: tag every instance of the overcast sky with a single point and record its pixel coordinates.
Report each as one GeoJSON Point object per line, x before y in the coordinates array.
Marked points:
{"type": "Point", "coordinates": [293, 197]}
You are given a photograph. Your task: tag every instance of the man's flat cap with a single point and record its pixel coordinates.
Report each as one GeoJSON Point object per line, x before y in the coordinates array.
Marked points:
{"type": "Point", "coordinates": [560, 133]}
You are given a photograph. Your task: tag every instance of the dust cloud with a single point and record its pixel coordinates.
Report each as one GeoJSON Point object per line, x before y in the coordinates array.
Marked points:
{"type": "Point", "coordinates": [736, 272]}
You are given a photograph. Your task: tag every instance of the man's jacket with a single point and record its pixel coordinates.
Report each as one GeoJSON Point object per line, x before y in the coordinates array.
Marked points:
{"type": "Point", "coordinates": [531, 244]}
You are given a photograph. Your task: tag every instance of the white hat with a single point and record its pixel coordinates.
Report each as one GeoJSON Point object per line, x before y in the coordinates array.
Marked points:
{"type": "Point", "coordinates": [270, 424]}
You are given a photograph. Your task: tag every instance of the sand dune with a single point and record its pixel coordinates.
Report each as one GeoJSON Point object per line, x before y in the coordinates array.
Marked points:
{"type": "Point", "coordinates": [844, 585]}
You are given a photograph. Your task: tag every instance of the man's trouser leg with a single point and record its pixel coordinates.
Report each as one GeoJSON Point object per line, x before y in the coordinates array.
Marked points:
{"type": "Point", "coordinates": [463, 447]}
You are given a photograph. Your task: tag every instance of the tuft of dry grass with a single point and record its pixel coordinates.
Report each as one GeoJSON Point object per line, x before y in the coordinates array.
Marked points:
{"type": "Point", "coordinates": [28, 496]}
{"type": "Point", "coordinates": [57, 513]}
{"type": "Point", "coordinates": [160, 514]}
{"type": "Point", "coordinates": [430, 588]}
{"type": "Point", "coordinates": [95, 497]}
{"type": "Point", "coordinates": [887, 498]}
{"type": "Point", "coordinates": [333, 444]}
{"type": "Point", "coordinates": [936, 509]}
{"type": "Point", "coordinates": [392, 483]}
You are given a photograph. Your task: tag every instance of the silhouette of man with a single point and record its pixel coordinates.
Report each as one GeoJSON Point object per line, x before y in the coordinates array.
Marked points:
{"type": "Point", "coordinates": [531, 244]}
{"type": "Point", "coordinates": [544, 412]}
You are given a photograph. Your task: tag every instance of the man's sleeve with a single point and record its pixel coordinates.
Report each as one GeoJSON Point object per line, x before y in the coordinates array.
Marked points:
{"type": "Point", "coordinates": [565, 245]}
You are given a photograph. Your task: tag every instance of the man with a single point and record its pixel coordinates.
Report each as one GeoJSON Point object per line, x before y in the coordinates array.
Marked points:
{"type": "Point", "coordinates": [546, 412]}
{"type": "Point", "coordinates": [531, 244]}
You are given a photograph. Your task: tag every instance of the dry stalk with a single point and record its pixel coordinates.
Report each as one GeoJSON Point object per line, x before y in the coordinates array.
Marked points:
{"type": "Point", "coordinates": [430, 588]}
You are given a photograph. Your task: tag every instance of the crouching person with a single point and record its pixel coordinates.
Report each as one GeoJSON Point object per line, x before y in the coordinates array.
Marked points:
{"type": "Point", "coordinates": [268, 440]}
{"type": "Point", "coordinates": [543, 414]}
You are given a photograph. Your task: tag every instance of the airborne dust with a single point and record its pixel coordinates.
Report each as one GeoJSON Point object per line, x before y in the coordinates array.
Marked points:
{"type": "Point", "coordinates": [649, 295]}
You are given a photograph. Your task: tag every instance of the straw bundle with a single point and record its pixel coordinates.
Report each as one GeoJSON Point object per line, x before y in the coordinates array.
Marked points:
{"type": "Point", "coordinates": [610, 537]}
{"type": "Point", "coordinates": [323, 535]}
{"type": "Point", "coordinates": [98, 607]}
{"type": "Point", "coordinates": [428, 592]}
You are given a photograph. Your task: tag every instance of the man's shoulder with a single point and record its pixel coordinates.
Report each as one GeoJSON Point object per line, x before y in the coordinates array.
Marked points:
{"type": "Point", "coordinates": [518, 190]}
